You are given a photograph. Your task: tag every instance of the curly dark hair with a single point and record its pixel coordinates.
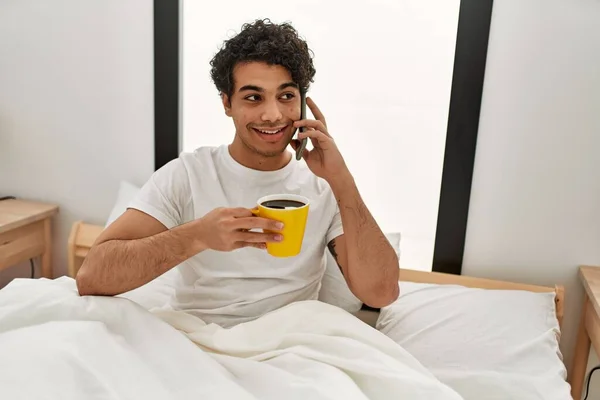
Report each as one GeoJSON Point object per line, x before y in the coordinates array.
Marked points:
{"type": "Point", "coordinates": [262, 40]}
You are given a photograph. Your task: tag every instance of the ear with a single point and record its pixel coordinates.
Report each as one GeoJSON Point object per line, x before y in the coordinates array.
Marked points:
{"type": "Point", "coordinates": [226, 104]}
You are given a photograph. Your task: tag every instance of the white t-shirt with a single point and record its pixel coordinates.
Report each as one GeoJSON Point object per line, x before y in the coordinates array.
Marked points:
{"type": "Point", "coordinates": [228, 288]}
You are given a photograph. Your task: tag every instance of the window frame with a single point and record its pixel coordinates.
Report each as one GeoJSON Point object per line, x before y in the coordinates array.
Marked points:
{"type": "Point", "coordinates": [461, 135]}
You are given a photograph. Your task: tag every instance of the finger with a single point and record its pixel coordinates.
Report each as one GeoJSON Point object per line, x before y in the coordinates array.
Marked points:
{"type": "Point", "coordinates": [240, 212]}
{"type": "Point", "coordinates": [311, 124]}
{"type": "Point", "coordinates": [296, 144]}
{"type": "Point", "coordinates": [316, 135]}
{"type": "Point", "coordinates": [259, 237]}
{"type": "Point", "coordinates": [305, 154]}
{"type": "Point", "coordinates": [258, 223]}
{"type": "Point", "coordinates": [315, 110]}
{"type": "Point", "coordinates": [261, 246]}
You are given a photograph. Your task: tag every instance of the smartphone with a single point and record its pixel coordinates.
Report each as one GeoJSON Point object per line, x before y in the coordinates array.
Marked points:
{"type": "Point", "coordinates": [303, 142]}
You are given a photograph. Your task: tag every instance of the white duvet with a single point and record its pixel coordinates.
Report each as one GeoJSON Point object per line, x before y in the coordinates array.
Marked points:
{"type": "Point", "coordinates": [55, 344]}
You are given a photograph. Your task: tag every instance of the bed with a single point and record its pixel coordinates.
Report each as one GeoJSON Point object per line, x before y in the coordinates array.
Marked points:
{"type": "Point", "coordinates": [545, 377]}
{"type": "Point", "coordinates": [131, 346]}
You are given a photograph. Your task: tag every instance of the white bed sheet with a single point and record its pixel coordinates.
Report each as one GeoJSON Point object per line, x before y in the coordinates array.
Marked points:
{"type": "Point", "coordinates": [55, 344]}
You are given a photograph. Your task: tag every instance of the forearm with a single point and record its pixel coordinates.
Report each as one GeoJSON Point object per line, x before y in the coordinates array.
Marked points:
{"type": "Point", "coordinates": [372, 263]}
{"type": "Point", "coordinates": [117, 266]}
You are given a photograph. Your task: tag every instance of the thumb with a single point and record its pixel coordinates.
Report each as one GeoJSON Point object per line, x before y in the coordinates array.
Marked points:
{"type": "Point", "coordinates": [305, 154]}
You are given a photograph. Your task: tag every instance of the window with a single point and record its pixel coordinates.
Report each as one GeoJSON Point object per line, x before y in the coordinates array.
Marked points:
{"type": "Point", "coordinates": [385, 84]}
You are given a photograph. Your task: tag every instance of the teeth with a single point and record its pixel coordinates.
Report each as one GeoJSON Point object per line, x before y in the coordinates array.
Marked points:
{"type": "Point", "coordinates": [269, 132]}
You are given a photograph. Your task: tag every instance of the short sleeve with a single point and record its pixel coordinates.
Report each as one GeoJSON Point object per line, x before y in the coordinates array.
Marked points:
{"type": "Point", "coordinates": [165, 195]}
{"type": "Point", "coordinates": [335, 227]}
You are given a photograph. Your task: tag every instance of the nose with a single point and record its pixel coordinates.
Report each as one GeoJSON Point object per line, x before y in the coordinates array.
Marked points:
{"type": "Point", "coordinates": [271, 111]}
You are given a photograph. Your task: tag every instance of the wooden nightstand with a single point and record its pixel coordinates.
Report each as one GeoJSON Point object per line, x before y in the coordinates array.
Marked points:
{"type": "Point", "coordinates": [589, 328]}
{"type": "Point", "coordinates": [25, 233]}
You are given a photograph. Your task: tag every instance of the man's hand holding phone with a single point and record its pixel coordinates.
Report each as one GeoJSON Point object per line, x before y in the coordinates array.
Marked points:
{"type": "Point", "coordinates": [325, 159]}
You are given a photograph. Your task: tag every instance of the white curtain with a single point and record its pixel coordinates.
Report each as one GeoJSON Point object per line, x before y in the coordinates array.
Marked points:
{"type": "Point", "coordinates": [383, 81]}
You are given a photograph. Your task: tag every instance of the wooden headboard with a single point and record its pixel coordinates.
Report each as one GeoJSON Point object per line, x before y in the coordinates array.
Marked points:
{"type": "Point", "coordinates": [408, 275]}
{"type": "Point", "coordinates": [84, 235]}
{"type": "Point", "coordinates": [81, 239]}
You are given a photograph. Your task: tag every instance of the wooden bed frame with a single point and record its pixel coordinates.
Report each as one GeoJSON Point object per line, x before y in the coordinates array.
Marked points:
{"type": "Point", "coordinates": [84, 235]}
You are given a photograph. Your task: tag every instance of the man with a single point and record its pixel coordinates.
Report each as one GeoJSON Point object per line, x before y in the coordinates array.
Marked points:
{"type": "Point", "coordinates": [194, 213]}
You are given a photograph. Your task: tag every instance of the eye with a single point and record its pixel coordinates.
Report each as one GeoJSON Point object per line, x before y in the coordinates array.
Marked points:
{"type": "Point", "coordinates": [288, 96]}
{"type": "Point", "coordinates": [252, 97]}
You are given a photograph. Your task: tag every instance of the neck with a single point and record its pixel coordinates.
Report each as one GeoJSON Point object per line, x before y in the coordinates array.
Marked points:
{"type": "Point", "coordinates": [251, 159]}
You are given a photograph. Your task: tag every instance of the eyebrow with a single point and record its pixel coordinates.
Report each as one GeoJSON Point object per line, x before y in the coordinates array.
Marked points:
{"type": "Point", "coordinates": [259, 89]}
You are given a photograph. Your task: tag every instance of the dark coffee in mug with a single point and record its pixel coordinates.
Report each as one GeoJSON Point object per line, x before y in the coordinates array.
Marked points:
{"type": "Point", "coordinates": [282, 204]}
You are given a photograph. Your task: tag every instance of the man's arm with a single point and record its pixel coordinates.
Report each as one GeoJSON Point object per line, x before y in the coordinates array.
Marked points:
{"type": "Point", "coordinates": [137, 248]}
{"type": "Point", "coordinates": [365, 256]}
{"type": "Point", "coordinates": [367, 259]}
{"type": "Point", "coordinates": [133, 251]}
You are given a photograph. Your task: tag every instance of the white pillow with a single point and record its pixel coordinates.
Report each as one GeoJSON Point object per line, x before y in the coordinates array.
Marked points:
{"type": "Point", "coordinates": [334, 289]}
{"type": "Point", "coordinates": [127, 193]}
{"type": "Point", "coordinates": [492, 344]}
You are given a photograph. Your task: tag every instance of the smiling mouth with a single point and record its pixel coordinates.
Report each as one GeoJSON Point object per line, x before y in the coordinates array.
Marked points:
{"type": "Point", "coordinates": [273, 135]}
{"type": "Point", "coordinates": [270, 131]}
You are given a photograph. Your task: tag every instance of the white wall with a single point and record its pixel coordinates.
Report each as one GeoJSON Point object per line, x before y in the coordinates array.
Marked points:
{"type": "Point", "coordinates": [535, 204]}
{"type": "Point", "coordinates": [76, 106]}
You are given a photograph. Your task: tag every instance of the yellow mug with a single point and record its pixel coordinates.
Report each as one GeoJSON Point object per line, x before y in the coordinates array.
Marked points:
{"type": "Point", "coordinates": [290, 209]}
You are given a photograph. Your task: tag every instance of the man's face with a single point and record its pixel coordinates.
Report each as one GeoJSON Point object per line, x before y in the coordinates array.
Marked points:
{"type": "Point", "coordinates": [264, 105]}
